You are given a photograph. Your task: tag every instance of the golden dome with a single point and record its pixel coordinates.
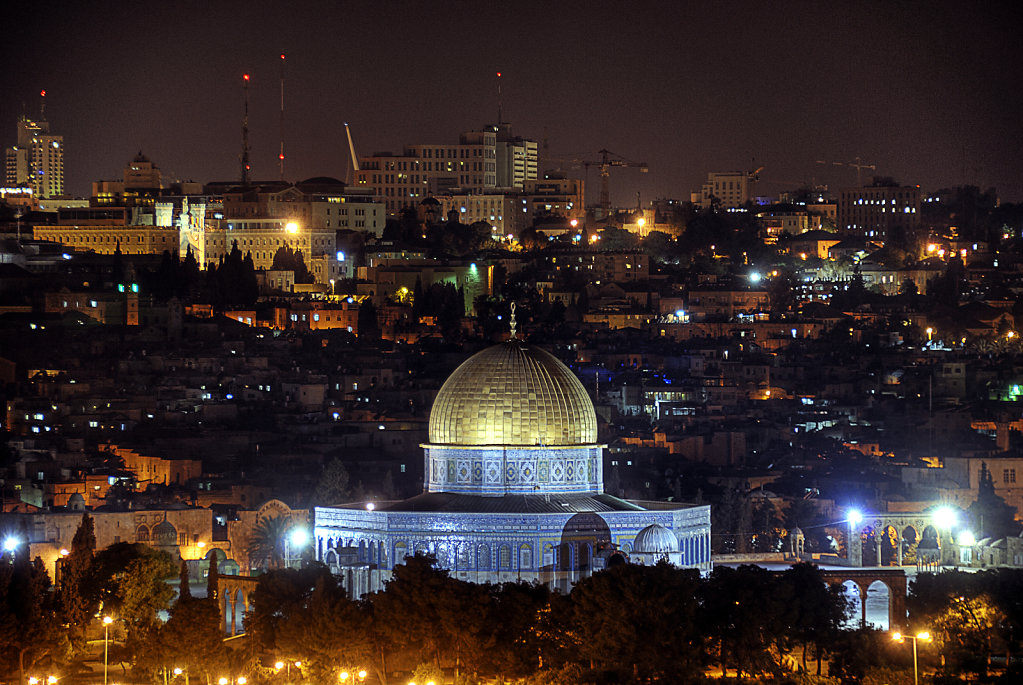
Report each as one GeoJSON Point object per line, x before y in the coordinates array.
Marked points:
{"type": "Point", "coordinates": [516, 395]}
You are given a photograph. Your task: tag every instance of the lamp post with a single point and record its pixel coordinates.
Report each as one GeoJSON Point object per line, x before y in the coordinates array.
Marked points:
{"type": "Point", "coordinates": [286, 666]}
{"type": "Point", "coordinates": [297, 538]}
{"type": "Point", "coordinates": [945, 519]}
{"type": "Point", "coordinates": [854, 550]}
{"type": "Point", "coordinates": [106, 645]}
{"type": "Point", "coordinates": [926, 637]}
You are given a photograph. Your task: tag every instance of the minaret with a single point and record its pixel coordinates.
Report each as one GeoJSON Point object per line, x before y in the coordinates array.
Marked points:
{"type": "Point", "coordinates": [245, 136]}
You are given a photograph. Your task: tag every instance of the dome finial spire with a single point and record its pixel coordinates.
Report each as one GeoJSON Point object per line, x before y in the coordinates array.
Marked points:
{"type": "Point", "coordinates": [513, 320]}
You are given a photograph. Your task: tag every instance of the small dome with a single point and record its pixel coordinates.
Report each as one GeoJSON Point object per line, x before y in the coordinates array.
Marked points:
{"type": "Point", "coordinates": [513, 394]}
{"type": "Point", "coordinates": [796, 531]}
{"type": "Point", "coordinates": [76, 502]}
{"type": "Point", "coordinates": [655, 539]}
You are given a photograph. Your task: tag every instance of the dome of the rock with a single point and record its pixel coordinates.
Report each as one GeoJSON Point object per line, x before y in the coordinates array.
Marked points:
{"type": "Point", "coordinates": [513, 394]}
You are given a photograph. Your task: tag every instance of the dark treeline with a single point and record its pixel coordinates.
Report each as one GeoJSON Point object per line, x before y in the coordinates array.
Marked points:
{"type": "Point", "coordinates": [627, 624]}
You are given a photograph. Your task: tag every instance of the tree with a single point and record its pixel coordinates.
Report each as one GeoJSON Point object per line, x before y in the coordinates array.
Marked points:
{"type": "Point", "coordinates": [781, 291]}
{"type": "Point", "coordinates": [405, 615]}
{"type": "Point", "coordinates": [327, 628]}
{"type": "Point", "coordinates": [368, 326]}
{"type": "Point", "coordinates": [213, 578]}
{"type": "Point", "coordinates": [184, 586]}
{"type": "Point", "coordinates": [639, 622]}
{"type": "Point", "coordinates": [742, 611]}
{"type": "Point", "coordinates": [814, 610]}
{"type": "Point", "coordinates": [990, 515]}
{"type": "Point", "coordinates": [141, 593]}
{"type": "Point", "coordinates": [287, 259]}
{"type": "Point", "coordinates": [78, 594]}
{"type": "Point", "coordinates": [193, 638]}
{"type": "Point", "coordinates": [30, 632]}
{"type": "Point", "coordinates": [333, 486]}
{"type": "Point", "coordinates": [267, 541]}
{"type": "Point", "coordinates": [278, 597]}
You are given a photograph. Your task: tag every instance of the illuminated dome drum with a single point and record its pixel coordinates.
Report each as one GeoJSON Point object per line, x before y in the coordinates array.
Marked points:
{"type": "Point", "coordinates": [513, 419]}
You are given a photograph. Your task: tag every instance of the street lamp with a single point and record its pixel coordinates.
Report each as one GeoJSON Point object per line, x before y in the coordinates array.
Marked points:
{"type": "Point", "coordinates": [297, 538]}
{"type": "Point", "coordinates": [926, 637]}
{"type": "Point", "coordinates": [945, 518]}
{"type": "Point", "coordinates": [854, 551]}
{"type": "Point", "coordinates": [286, 666]}
{"type": "Point", "coordinates": [106, 645]}
{"type": "Point", "coordinates": [11, 543]}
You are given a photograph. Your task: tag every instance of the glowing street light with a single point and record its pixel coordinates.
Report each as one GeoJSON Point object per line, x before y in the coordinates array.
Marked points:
{"type": "Point", "coordinates": [945, 517]}
{"type": "Point", "coordinates": [297, 538]}
{"type": "Point", "coordinates": [854, 517]}
{"type": "Point", "coordinates": [924, 636]}
{"type": "Point", "coordinates": [106, 645]}
{"type": "Point", "coordinates": [291, 227]}
{"type": "Point", "coordinates": [11, 543]}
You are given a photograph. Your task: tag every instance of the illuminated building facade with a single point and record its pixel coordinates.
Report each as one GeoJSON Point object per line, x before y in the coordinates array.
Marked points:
{"type": "Point", "coordinates": [37, 161]}
{"type": "Point", "coordinates": [731, 188]}
{"type": "Point", "coordinates": [879, 212]}
{"type": "Point", "coordinates": [481, 161]}
{"type": "Point", "coordinates": [514, 488]}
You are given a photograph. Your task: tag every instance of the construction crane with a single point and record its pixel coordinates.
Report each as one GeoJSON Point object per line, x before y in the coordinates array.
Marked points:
{"type": "Point", "coordinates": [855, 165]}
{"type": "Point", "coordinates": [753, 177]}
{"type": "Point", "coordinates": [609, 159]}
{"type": "Point", "coordinates": [349, 177]}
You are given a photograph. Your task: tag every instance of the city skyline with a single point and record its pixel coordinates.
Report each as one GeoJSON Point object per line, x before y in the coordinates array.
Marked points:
{"type": "Point", "coordinates": [689, 90]}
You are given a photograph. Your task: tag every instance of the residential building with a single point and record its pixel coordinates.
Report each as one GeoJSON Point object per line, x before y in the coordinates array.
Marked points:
{"type": "Point", "coordinates": [729, 188]}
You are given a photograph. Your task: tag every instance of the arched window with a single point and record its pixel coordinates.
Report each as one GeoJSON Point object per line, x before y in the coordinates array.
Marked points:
{"type": "Point", "coordinates": [142, 533]}
{"type": "Point", "coordinates": [483, 558]}
{"type": "Point", "coordinates": [504, 558]}
{"type": "Point", "coordinates": [525, 558]}
{"type": "Point", "coordinates": [400, 550]}
{"type": "Point", "coordinates": [464, 556]}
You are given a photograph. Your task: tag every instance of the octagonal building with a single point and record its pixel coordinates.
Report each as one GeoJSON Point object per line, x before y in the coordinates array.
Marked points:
{"type": "Point", "coordinates": [513, 487]}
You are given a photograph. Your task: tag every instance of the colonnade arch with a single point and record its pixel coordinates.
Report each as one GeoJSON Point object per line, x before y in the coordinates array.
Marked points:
{"type": "Point", "coordinates": [894, 539]}
{"type": "Point", "coordinates": [894, 580]}
{"type": "Point", "coordinates": [234, 600]}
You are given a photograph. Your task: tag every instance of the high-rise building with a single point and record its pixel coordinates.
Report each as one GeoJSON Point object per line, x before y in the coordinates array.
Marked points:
{"type": "Point", "coordinates": [37, 161]}
{"type": "Point", "coordinates": [480, 162]}
{"type": "Point", "coordinates": [516, 158]}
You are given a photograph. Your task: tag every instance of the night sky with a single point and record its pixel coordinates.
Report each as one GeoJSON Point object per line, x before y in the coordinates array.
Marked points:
{"type": "Point", "coordinates": [929, 92]}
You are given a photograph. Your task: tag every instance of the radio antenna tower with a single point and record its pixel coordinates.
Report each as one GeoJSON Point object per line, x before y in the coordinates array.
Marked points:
{"type": "Point", "coordinates": [498, 97]}
{"type": "Point", "coordinates": [282, 117]}
{"type": "Point", "coordinates": [245, 135]}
